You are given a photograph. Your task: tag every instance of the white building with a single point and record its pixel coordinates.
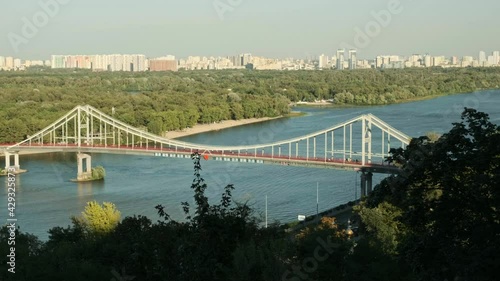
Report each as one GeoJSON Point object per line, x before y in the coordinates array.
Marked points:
{"type": "Point", "coordinates": [482, 58]}
{"type": "Point", "coordinates": [353, 59]}
{"type": "Point", "coordinates": [340, 59]}
{"type": "Point", "coordinates": [427, 61]}
{"type": "Point", "coordinates": [496, 57]}
{"type": "Point", "coordinates": [323, 61]}
{"type": "Point", "coordinates": [9, 63]}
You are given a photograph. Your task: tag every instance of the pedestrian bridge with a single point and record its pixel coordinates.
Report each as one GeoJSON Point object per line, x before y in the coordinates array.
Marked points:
{"type": "Point", "coordinates": [361, 144]}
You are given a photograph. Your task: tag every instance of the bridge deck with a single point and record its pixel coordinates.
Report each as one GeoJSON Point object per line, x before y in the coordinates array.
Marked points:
{"type": "Point", "coordinates": [243, 157]}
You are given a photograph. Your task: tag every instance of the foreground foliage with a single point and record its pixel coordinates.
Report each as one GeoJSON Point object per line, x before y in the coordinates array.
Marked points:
{"type": "Point", "coordinates": [442, 213]}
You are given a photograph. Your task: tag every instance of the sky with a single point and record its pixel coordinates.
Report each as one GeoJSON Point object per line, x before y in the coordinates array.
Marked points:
{"type": "Point", "coordinates": [36, 29]}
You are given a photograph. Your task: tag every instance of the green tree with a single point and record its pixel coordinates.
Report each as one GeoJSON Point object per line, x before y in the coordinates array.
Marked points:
{"type": "Point", "coordinates": [449, 196]}
{"type": "Point", "coordinates": [98, 219]}
{"type": "Point", "coordinates": [98, 173]}
{"type": "Point", "coordinates": [383, 222]}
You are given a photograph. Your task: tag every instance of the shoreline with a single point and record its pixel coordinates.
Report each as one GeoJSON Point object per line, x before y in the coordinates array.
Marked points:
{"type": "Point", "coordinates": [226, 124]}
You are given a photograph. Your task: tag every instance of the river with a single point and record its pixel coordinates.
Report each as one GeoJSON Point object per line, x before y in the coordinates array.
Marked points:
{"type": "Point", "coordinates": [45, 197]}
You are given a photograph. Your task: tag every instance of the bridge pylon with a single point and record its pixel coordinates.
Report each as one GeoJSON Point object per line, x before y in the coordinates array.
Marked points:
{"type": "Point", "coordinates": [366, 183]}
{"type": "Point", "coordinates": [84, 174]}
{"type": "Point", "coordinates": [8, 156]}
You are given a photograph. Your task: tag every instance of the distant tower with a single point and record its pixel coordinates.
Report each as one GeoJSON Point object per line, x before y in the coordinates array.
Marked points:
{"type": "Point", "coordinates": [428, 61]}
{"type": "Point", "coordinates": [379, 61]}
{"type": "Point", "coordinates": [482, 58]}
{"type": "Point", "coordinates": [323, 61]}
{"type": "Point", "coordinates": [353, 60]}
{"type": "Point", "coordinates": [496, 57]}
{"type": "Point", "coordinates": [246, 59]}
{"type": "Point", "coordinates": [340, 59]}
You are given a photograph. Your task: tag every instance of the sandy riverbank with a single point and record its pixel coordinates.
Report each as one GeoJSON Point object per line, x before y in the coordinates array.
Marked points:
{"type": "Point", "coordinates": [316, 103]}
{"type": "Point", "coordinates": [202, 128]}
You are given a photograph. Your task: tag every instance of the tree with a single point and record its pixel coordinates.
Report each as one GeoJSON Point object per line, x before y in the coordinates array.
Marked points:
{"type": "Point", "coordinates": [383, 222]}
{"type": "Point", "coordinates": [98, 219]}
{"type": "Point", "coordinates": [450, 201]}
{"type": "Point", "coordinates": [98, 173]}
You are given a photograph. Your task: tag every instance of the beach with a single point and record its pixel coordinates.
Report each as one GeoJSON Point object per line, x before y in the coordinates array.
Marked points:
{"type": "Point", "coordinates": [202, 128]}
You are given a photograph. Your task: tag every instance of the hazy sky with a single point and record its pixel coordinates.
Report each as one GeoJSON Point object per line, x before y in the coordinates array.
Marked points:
{"type": "Point", "coordinates": [275, 28]}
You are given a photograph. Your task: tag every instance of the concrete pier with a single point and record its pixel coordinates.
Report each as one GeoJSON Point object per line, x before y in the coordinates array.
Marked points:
{"type": "Point", "coordinates": [366, 183]}
{"type": "Point", "coordinates": [8, 156]}
{"type": "Point", "coordinates": [84, 174]}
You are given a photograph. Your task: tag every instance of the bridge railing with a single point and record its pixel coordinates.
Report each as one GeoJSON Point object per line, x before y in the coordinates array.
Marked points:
{"type": "Point", "coordinates": [76, 129]}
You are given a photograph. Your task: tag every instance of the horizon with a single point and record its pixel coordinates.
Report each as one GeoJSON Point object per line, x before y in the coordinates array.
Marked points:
{"type": "Point", "coordinates": [220, 28]}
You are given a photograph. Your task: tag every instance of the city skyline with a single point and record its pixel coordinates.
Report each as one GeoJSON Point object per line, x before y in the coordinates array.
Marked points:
{"type": "Point", "coordinates": [298, 29]}
{"type": "Point", "coordinates": [481, 55]}
{"type": "Point", "coordinates": [342, 60]}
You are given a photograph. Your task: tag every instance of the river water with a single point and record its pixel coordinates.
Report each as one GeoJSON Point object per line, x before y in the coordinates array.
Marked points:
{"type": "Point", "coordinates": [45, 197]}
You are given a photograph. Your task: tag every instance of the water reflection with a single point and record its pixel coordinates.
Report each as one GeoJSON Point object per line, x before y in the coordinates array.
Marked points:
{"type": "Point", "coordinates": [88, 189]}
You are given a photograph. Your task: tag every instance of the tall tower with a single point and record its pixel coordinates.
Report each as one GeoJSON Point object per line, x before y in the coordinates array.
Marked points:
{"type": "Point", "coordinates": [482, 58]}
{"type": "Point", "coordinates": [428, 60]}
{"type": "Point", "coordinates": [323, 61]}
{"type": "Point", "coordinates": [353, 60]}
{"type": "Point", "coordinates": [496, 57]}
{"type": "Point", "coordinates": [340, 59]}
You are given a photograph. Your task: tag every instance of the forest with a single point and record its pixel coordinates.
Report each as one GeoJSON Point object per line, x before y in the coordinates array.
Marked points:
{"type": "Point", "coordinates": [160, 102]}
{"type": "Point", "coordinates": [437, 219]}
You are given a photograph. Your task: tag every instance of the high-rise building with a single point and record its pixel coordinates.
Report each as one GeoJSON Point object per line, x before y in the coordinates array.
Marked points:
{"type": "Point", "coordinates": [438, 61]}
{"type": "Point", "coordinates": [454, 60]}
{"type": "Point", "coordinates": [427, 61]}
{"type": "Point", "coordinates": [340, 59]}
{"type": "Point", "coordinates": [353, 60]}
{"type": "Point", "coordinates": [467, 61]}
{"type": "Point", "coordinates": [140, 61]}
{"type": "Point", "coordinates": [101, 62]}
{"type": "Point", "coordinates": [2, 62]}
{"type": "Point", "coordinates": [496, 57]}
{"type": "Point", "coordinates": [17, 64]}
{"type": "Point", "coordinates": [162, 64]}
{"type": "Point", "coordinates": [9, 62]}
{"type": "Point", "coordinates": [236, 61]}
{"type": "Point", "coordinates": [482, 58]}
{"type": "Point", "coordinates": [323, 61]}
{"type": "Point", "coordinates": [246, 59]}
{"type": "Point", "coordinates": [379, 61]}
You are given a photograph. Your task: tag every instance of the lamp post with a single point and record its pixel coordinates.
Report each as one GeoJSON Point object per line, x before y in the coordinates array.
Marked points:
{"type": "Point", "coordinates": [266, 210]}
{"type": "Point", "coordinates": [317, 199]}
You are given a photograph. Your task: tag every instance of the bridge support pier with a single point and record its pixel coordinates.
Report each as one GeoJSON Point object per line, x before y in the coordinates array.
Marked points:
{"type": "Point", "coordinates": [87, 174]}
{"type": "Point", "coordinates": [16, 166]}
{"type": "Point", "coordinates": [369, 178]}
{"type": "Point", "coordinates": [366, 183]}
